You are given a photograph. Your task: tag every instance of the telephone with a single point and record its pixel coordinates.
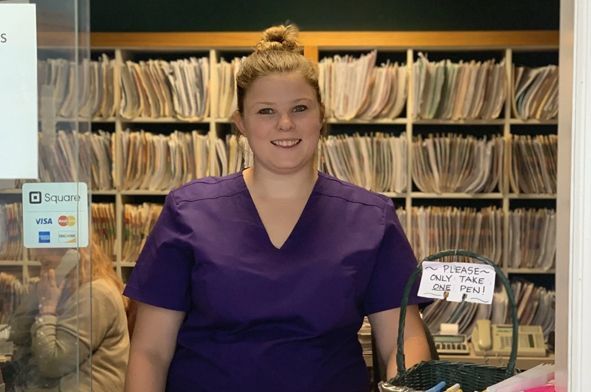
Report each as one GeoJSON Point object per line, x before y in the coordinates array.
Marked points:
{"type": "Point", "coordinates": [451, 344]}
{"type": "Point", "coordinates": [496, 339]}
{"type": "Point", "coordinates": [68, 262]}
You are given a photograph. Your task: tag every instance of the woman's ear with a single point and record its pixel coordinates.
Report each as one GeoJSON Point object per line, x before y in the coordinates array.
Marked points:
{"type": "Point", "coordinates": [239, 122]}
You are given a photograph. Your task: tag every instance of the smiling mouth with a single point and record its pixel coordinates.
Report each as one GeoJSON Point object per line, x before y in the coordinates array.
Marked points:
{"type": "Point", "coordinates": [286, 143]}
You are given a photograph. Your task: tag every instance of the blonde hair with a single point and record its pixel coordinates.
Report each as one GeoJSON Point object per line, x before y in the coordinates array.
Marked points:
{"type": "Point", "coordinates": [276, 52]}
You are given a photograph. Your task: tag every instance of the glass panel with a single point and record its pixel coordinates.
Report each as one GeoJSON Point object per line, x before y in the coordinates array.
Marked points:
{"type": "Point", "coordinates": [47, 339]}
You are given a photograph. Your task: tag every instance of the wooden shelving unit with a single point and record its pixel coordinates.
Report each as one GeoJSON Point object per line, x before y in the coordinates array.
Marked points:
{"type": "Point", "coordinates": [217, 44]}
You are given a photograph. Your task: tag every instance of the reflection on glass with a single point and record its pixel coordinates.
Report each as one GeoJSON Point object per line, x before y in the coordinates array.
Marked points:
{"type": "Point", "coordinates": [54, 333]}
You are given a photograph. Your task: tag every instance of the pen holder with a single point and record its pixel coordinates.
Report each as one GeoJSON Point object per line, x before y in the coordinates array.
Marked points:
{"type": "Point", "coordinates": [472, 377]}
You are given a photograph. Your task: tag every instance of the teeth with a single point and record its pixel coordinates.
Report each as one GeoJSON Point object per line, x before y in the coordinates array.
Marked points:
{"type": "Point", "coordinates": [286, 143]}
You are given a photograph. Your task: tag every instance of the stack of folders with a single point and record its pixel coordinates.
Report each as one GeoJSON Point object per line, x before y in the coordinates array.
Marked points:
{"type": "Point", "coordinates": [161, 162]}
{"type": "Point", "coordinates": [138, 221]}
{"type": "Point", "coordinates": [103, 226]}
{"type": "Point", "coordinates": [59, 155]}
{"type": "Point", "coordinates": [364, 336]}
{"type": "Point", "coordinates": [376, 161]}
{"type": "Point", "coordinates": [95, 96]}
{"type": "Point", "coordinates": [532, 232]}
{"type": "Point", "coordinates": [532, 238]}
{"type": "Point", "coordinates": [11, 229]}
{"type": "Point", "coordinates": [438, 228]}
{"type": "Point", "coordinates": [534, 163]}
{"type": "Point", "coordinates": [401, 214]}
{"type": "Point", "coordinates": [12, 291]}
{"type": "Point", "coordinates": [356, 88]}
{"type": "Point", "coordinates": [535, 92]}
{"type": "Point", "coordinates": [457, 163]}
{"type": "Point", "coordinates": [96, 157]}
{"type": "Point", "coordinates": [239, 153]}
{"type": "Point", "coordinates": [459, 91]}
{"type": "Point", "coordinates": [158, 88]}
{"type": "Point", "coordinates": [535, 306]}
{"type": "Point", "coordinates": [226, 76]}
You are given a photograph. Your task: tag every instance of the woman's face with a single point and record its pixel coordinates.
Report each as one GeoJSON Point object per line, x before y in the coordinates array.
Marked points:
{"type": "Point", "coordinates": [49, 258]}
{"type": "Point", "coordinates": [282, 122]}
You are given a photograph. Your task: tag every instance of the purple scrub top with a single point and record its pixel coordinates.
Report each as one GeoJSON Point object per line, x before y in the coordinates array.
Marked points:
{"type": "Point", "coordinates": [260, 318]}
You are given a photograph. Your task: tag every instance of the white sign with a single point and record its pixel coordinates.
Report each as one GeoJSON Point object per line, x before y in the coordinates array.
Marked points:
{"type": "Point", "coordinates": [55, 215]}
{"type": "Point", "coordinates": [18, 91]}
{"type": "Point", "coordinates": [458, 282]}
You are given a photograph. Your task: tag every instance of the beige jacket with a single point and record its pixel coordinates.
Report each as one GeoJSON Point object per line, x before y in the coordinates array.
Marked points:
{"type": "Point", "coordinates": [87, 333]}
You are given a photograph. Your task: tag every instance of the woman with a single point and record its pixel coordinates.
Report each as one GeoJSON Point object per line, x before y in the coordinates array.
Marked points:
{"type": "Point", "coordinates": [71, 321]}
{"type": "Point", "coordinates": [259, 281]}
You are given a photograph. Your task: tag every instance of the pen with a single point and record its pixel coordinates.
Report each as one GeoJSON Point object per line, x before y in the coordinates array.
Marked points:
{"type": "Point", "coordinates": [437, 388]}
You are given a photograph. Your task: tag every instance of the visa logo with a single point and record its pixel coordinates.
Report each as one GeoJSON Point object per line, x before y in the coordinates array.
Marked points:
{"type": "Point", "coordinates": [43, 221]}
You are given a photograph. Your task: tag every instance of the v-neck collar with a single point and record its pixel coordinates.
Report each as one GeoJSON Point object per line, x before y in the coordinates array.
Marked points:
{"type": "Point", "coordinates": [253, 208]}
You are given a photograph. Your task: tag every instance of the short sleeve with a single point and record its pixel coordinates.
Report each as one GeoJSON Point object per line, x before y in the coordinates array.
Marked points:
{"type": "Point", "coordinates": [394, 263]}
{"type": "Point", "coordinates": [162, 274]}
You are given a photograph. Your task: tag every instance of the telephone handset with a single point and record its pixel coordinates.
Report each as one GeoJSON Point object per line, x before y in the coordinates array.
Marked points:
{"type": "Point", "coordinates": [66, 265]}
{"type": "Point", "coordinates": [481, 336]}
{"type": "Point", "coordinates": [496, 339]}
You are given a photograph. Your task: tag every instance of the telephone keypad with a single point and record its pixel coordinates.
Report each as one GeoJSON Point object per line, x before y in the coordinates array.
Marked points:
{"type": "Point", "coordinates": [443, 345]}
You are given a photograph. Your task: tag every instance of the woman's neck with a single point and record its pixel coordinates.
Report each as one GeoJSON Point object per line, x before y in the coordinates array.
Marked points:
{"type": "Point", "coordinates": [264, 184]}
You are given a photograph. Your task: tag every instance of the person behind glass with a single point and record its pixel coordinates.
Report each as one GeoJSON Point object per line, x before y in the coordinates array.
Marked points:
{"type": "Point", "coordinates": [72, 323]}
{"type": "Point", "coordinates": [259, 281]}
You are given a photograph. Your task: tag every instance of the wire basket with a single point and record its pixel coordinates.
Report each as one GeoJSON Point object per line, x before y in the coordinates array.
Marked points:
{"type": "Point", "coordinates": [471, 377]}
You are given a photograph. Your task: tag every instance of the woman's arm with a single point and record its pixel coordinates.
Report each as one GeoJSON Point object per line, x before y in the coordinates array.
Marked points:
{"type": "Point", "coordinates": [60, 341]}
{"type": "Point", "coordinates": [384, 327]}
{"type": "Point", "coordinates": [24, 317]}
{"type": "Point", "coordinates": [152, 347]}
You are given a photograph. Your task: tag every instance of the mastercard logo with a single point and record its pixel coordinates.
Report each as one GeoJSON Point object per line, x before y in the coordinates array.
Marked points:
{"type": "Point", "coordinates": [66, 221]}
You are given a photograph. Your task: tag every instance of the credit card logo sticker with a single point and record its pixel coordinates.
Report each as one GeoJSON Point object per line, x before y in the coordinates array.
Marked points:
{"type": "Point", "coordinates": [44, 237]}
{"type": "Point", "coordinates": [55, 214]}
{"type": "Point", "coordinates": [66, 237]}
{"type": "Point", "coordinates": [65, 221]}
{"type": "Point", "coordinates": [43, 221]}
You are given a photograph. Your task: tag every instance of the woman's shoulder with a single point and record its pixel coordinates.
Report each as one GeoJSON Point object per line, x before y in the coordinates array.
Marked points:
{"type": "Point", "coordinates": [102, 289]}
{"type": "Point", "coordinates": [351, 193]}
{"type": "Point", "coordinates": [104, 286]}
{"type": "Point", "coordinates": [209, 188]}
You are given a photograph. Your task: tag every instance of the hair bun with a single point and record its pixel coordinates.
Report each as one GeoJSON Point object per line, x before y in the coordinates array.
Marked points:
{"type": "Point", "coordinates": [280, 37]}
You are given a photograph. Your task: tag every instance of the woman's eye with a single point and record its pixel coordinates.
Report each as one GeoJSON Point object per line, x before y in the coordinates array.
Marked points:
{"type": "Point", "coordinates": [265, 111]}
{"type": "Point", "coordinates": [300, 108]}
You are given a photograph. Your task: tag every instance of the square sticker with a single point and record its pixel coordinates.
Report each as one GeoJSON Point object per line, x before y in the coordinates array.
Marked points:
{"type": "Point", "coordinates": [55, 215]}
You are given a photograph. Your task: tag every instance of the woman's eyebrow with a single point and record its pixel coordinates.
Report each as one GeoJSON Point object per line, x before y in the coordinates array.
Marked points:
{"type": "Point", "coordinates": [301, 99]}
{"type": "Point", "coordinates": [275, 103]}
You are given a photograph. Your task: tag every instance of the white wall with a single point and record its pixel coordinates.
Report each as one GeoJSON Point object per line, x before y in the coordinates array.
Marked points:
{"type": "Point", "coordinates": [573, 279]}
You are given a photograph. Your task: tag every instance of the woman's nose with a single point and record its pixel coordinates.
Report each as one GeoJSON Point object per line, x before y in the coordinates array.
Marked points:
{"type": "Point", "coordinates": [285, 122]}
